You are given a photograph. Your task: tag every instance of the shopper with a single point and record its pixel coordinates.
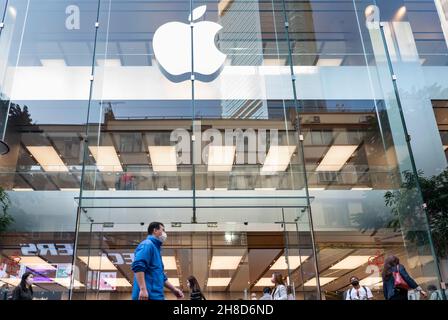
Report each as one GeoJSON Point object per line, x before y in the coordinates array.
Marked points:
{"type": "Point", "coordinates": [253, 296]}
{"type": "Point", "coordinates": [357, 292]}
{"type": "Point", "coordinates": [433, 293]}
{"type": "Point", "coordinates": [195, 289]}
{"type": "Point", "coordinates": [396, 280]}
{"type": "Point", "coordinates": [290, 292]}
{"type": "Point", "coordinates": [24, 291]}
{"type": "Point", "coordinates": [149, 275]}
{"type": "Point", "coordinates": [280, 288]}
{"type": "Point", "coordinates": [266, 294]}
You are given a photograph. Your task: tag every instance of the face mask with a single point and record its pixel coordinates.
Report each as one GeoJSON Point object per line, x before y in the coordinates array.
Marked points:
{"type": "Point", "coordinates": [163, 237]}
{"type": "Point", "coordinates": [355, 283]}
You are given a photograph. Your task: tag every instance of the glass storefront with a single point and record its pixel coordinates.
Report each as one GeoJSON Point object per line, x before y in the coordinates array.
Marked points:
{"type": "Point", "coordinates": [266, 136]}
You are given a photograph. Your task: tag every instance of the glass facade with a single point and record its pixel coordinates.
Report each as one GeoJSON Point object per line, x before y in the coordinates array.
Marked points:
{"type": "Point", "coordinates": [266, 136]}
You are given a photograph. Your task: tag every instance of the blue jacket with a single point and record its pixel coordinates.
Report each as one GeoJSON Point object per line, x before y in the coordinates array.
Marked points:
{"type": "Point", "coordinates": [148, 259]}
{"type": "Point", "coordinates": [388, 285]}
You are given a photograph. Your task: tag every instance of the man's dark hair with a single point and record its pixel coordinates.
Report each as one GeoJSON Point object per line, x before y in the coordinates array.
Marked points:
{"type": "Point", "coordinates": [267, 290]}
{"type": "Point", "coordinates": [153, 226]}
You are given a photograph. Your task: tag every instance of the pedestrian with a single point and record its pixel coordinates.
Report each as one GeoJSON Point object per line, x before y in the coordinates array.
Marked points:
{"type": "Point", "coordinates": [396, 281]}
{"type": "Point", "coordinates": [357, 292]}
{"type": "Point", "coordinates": [195, 289]}
{"type": "Point", "coordinates": [149, 275]}
{"type": "Point", "coordinates": [433, 293]}
{"type": "Point", "coordinates": [266, 294]}
{"type": "Point", "coordinates": [253, 296]}
{"type": "Point", "coordinates": [280, 292]}
{"type": "Point", "coordinates": [290, 292]}
{"type": "Point", "coordinates": [24, 291]}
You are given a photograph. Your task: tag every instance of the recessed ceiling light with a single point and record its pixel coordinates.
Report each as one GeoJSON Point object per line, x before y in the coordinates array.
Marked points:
{"type": "Point", "coordinates": [48, 158]}
{"type": "Point", "coordinates": [117, 282]}
{"type": "Point", "coordinates": [327, 62]}
{"type": "Point", "coordinates": [371, 281]}
{"type": "Point", "coordinates": [169, 263]}
{"type": "Point", "coordinates": [264, 282]}
{"type": "Point", "coordinates": [225, 262]}
{"type": "Point", "coordinates": [336, 157]}
{"type": "Point", "coordinates": [351, 262]}
{"type": "Point", "coordinates": [294, 262]}
{"type": "Point", "coordinates": [174, 281]}
{"type": "Point", "coordinates": [98, 263]}
{"type": "Point", "coordinates": [36, 262]}
{"type": "Point", "coordinates": [220, 158]}
{"type": "Point", "coordinates": [163, 158]}
{"type": "Point", "coordinates": [106, 158]}
{"type": "Point", "coordinates": [322, 280]}
{"type": "Point", "coordinates": [277, 159]}
{"type": "Point", "coordinates": [218, 282]}
{"type": "Point", "coordinates": [22, 189]}
{"type": "Point", "coordinates": [362, 188]}
{"type": "Point", "coordinates": [65, 282]}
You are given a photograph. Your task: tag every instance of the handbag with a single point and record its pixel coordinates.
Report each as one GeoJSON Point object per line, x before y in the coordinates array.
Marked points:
{"type": "Point", "coordinates": [399, 282]}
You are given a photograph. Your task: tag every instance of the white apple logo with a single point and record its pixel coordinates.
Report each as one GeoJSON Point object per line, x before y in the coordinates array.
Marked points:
{"type": "Point", "coordinates": [172, 49]}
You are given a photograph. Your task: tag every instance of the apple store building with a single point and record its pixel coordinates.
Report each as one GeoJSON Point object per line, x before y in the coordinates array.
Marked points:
{"type": "Point", "coordinates": [287, 136]}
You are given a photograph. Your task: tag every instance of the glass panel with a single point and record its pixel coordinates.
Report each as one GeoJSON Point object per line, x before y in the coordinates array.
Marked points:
{"type": "Point", "coordinates": [46, 54]}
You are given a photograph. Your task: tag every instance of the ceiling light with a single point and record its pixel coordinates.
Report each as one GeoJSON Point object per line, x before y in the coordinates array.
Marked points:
{"type": "Point", "coordinates": [274, 62]}
{"type": "Point", "coordinates": [323, 281]}
{"type": "Point", "coordinates": [11, 281]}
{"type": "Point", "coordinates": [278, 159]}
{"type": "Point", "coordinates": [22, 189]}
{"type": "Point", "coordinates": [336, 157]}
{"type": "Point", "coordinates": [174, 281]}
{"type": "Point", "coordinates": [218, 282]}
{"type": "Point", "coordinates": [69, 189]}
{"type": "Point", "coordinates": [264, 282]}
{"type": "Point", "coordinates": [106, 158]}
{"type": "Point", "coordinates": [362, 188]}
{"type": "Point", "coordinates": [225, 262]}
{"type": "Point", "coordinates": [371, 281]}
{"type": "Point", "coordinates": [220, 158]}
{"type": "Point", "coordinates": [265, 189]}
{"type": "Point", "coordinates": [112, 189]}
{"type": "Point", "coordinates": [351, 262]}
{"type": "Point", "coordinates": [109, 62]}
{"type": "Point", "coordinates": [48, 158]}
{"type": "Point", "coordinates": [220, 189]}
{"type": "Point", "coordinates": [163, 158]}
{"type": "Point", "coordinates": [117, 282]}
{"type": "Point", "coordinates": [294, 262]}
{"type": "Point", "coordinates": [169, 262]}
{"type": "Point", "coordinates": [324, 62]}
{"type": "Point", "coordinates": [316, 188]}
{"type": "Point", "coordinates": [53, 62]}
{"type": "Point", "coordinates": [65, 282]}
{"type": "Point", "coordinates": [98, 263]}
{"type": "Point", "coordinates": [36, 262]}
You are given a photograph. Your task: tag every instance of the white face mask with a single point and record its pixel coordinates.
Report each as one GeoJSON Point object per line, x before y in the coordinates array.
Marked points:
{"type": "Point", "coordinates": [163, 237]}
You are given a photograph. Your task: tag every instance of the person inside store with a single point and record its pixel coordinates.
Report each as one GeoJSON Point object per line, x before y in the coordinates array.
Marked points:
{"type": "Point", "coordinates": [149, 276]}
{"type": "Point", "coordinates": [266, 294]}
{"type": "Point", "coordinates": [24, 291]}
{"type": "Point", "coordinates": [396, 281]}
{"type": "Point", "coordinates": [280, 292]}
{"type": "Point", "coordinates": [195, 289]}
{"type": "Point", "coordinates": [358, 292]}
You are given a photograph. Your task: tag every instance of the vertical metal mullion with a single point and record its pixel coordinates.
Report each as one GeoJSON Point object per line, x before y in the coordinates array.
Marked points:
{"type": "Point", "coordinates": [85, 155]}
{"type": "Point", "coordinates": [193, 107]}
{"type": "Point", "coordinates": [302, 151]}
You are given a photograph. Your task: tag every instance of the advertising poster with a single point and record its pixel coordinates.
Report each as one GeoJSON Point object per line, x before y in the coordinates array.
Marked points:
{"type": "Point", "coordinates": [64, 270]}
{"type": "Point", "coordinates": [104, 284]}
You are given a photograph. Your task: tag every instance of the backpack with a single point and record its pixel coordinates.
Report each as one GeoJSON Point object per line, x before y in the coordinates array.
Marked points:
{"type": "Point", "coordinates": [349, 292]}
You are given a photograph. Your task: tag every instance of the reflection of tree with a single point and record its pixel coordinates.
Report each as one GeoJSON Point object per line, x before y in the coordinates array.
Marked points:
{"type": "Point", "coordinates": [435, 196]}
{"type": "Point", "coordinates": [18, 116]}
{"type": "Point", "coordinates": [5, 218]}
{"type": "Point", "coordinates": [408, 215]}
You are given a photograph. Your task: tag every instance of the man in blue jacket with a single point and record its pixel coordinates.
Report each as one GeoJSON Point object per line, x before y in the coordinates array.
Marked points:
{"type": "Point", "coordinates": [150, 278]}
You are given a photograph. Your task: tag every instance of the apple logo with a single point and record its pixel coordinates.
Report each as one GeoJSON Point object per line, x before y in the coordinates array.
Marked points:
{"type": "Point", "coordinates": [172, 49]}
